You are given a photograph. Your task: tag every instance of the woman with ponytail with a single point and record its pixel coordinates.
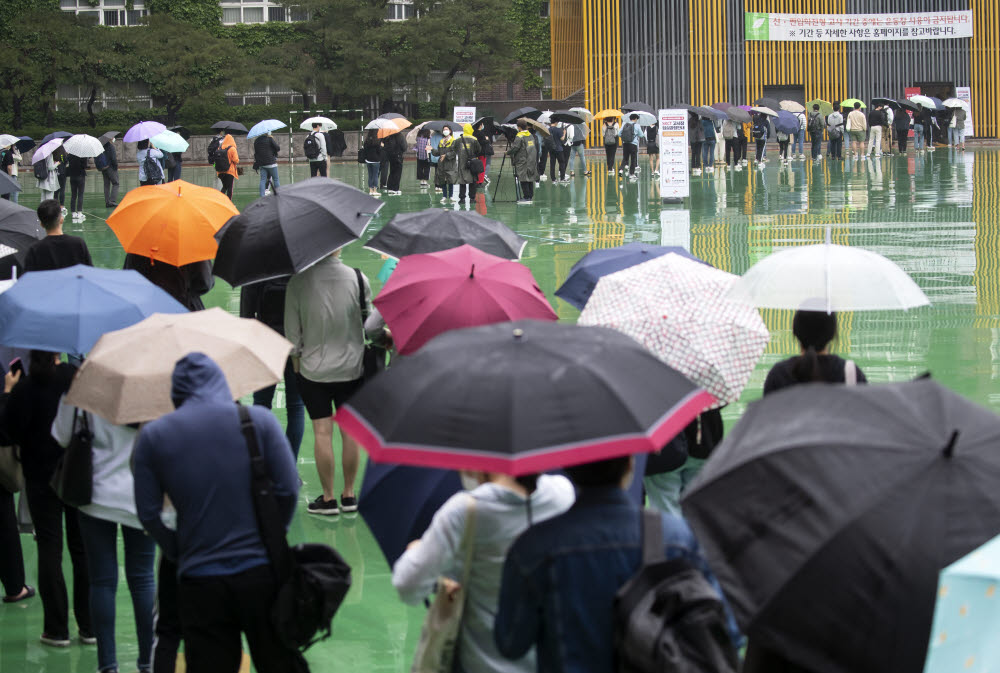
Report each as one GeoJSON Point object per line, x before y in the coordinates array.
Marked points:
{"type": "Point", "coordinates": [815, 330]}
{"type": "Point", "coordinates": [494, 510]}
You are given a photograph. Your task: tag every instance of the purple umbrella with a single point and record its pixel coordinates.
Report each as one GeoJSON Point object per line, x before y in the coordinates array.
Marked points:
{"type": "Point", "coordinates": [786, 122]}
{"type": "Point", "coordinates": [745, 108]}
{"type": "Point", "coordinates": [45, 150]}
{"type": "Point", "coordinates": [143, 131]}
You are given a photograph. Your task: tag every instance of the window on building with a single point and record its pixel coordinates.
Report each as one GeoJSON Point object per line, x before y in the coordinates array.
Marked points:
{"type": "Point", "coordinates": [253, 15]}
{"type": "Point", "coordinates": [94, 16]}
{"type": "Point", "coordinates": [399, 11]}
{"type": "Point", "coordinates": [106, 12]}
{"type": "Point", "coordinates": [276, 14]}
{"type": "Point", "coordinates": [299, 14]}
{"type": "Point", "coordinates": [231, 15]}
{"type": "Point", "coordinates": [111, 17]}
{"type": "Point", "coordinates": [67, 4]}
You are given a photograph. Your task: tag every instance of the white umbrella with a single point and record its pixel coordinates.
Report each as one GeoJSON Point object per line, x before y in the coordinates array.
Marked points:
{"type": "Point", "coordinates": [765, 110]}
{"type": "Point", "coordinates": [326, 124]}
{"type": "Point", "coordinates": [82, 145]}
{"type": "Point", "coordinates": [45, 150]}
{"type": "Point", "coordinates": [645, 119]}
{"type": "Point", "coordinates": [7, 139]}
{"type": "Point", "coordinates": [951, 102]}
{"type": "Point", "coordinates": [792, 106]}
{"type": "Point", "coordinates": [545, 117]}
{"type": "Point", "coordinates": [587, 115]}
{"type": "Point", "coordinates": [676, 308]}
{"type": "Point", "coordinates": [381, 124]}
{"type": "Point", "coordinates": [923, 100]}
{"type": "Point", "coordinates": [828, 277]}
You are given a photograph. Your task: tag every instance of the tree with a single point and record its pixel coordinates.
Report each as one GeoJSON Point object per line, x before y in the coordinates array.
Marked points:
{"type": "Point", "coordinates": [201, 13]}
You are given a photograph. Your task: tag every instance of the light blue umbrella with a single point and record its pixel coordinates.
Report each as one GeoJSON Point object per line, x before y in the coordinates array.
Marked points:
{"type": "Point", "coordinates": [168, 141]}
{"type": "Point", "coordinates": [964, 637]}
{"type": "Point", "coordinates": [265, 127]}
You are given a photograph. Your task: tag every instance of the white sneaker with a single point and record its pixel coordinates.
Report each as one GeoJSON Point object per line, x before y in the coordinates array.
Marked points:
{"type": "Point", "coordinates": [710, 169]}
{"type": "Point", "coordinates": [444, 199]}
{"type": "Point", "coordinates": [802, 157]}
{"type": "Point", "coordinates": [746, 162]}
{"type": "Point", "coordinates": [267, 192]}
{"type": "Point", "coordinates": [611, 172]}
{"type": "Point", "coordinates": [572, 174]}
{"type": "Point", "coordinates": [737, 168]}
{"type": "Point", "coordinates": [63, 211]}
{"type": "Point", "coordinates": [542, 177]}
{"type": "Point", "coordinates": [656, 174]}
{"type": "Point", "coordinates": [695, 171]}
{"type": "Point", "coordinates": [455, 199]}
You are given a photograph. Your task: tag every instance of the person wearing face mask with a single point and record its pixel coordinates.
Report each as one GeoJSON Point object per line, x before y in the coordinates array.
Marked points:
{"type": "Point", "coordinates": [488, 517]}
{"type": "Point", "coordinates": [446, 169]}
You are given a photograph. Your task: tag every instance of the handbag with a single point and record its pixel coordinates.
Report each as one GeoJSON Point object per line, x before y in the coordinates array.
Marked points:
{"type": "Point", "coordinates": [373, 360]}
{"type": "Point", "coordinates": [73, 479]}
{"type": "Point", "coordinates": [11, 475]}
{"type": "Point", "coordinates": [474, 165]}
{"type": "Point", "coordinates": [435, 652]}
{"type": "Point", "coordinates": [312, 579]}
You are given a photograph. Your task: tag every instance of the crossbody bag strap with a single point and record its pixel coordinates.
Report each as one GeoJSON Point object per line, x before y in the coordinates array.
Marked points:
{"type": "Point", "coordinates": [652, 536]}
{"type": "Point", "coordinates": [361, 297]}
{"type": "Point", "coordinates": [468, 542]}
{"type": "Point", "coordinates": [272, 531]}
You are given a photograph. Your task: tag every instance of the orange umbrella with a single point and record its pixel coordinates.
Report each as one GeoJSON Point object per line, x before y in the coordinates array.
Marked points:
{"type": "Point", "coordinates": [401, 123]}
{"type": "Point", "coordinates": [173, 223]}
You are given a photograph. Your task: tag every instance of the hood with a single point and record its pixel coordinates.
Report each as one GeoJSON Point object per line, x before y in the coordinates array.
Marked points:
{"type": "Point", "coordinates": [197, 377]}
{"type": "Point", "coordinates": [228, 142]}
{"type": "Point", "coordinates": [467, 129]}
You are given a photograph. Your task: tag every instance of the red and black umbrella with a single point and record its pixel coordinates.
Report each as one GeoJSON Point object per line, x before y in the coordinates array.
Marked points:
{"type": "Point", "coordinates": [522, 397]}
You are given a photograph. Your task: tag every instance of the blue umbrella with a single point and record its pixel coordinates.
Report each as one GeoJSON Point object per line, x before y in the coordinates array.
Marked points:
{"type": "Point", "coordinates": [594, 265]}
{"type": "Point", "coordinates": [265, 127]}
{"type": "Point", "coordinates": [786, 122]}
{"type": "Point", "coordinates": [937, 102]}
{"type": "Point", "coordinates": [24, 144]}
{"type": "Point", "coordinates": [56, 134]}
{"type": "Point", "coordinates": [67, 310]}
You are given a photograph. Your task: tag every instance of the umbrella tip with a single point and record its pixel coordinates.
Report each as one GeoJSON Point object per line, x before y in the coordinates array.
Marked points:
{"type": "Point", "coordinates": [472, 274]}
{"type": "Point", "coordinates": [949, 450]}
{"type": "Point", "coordinates": [518, 333]}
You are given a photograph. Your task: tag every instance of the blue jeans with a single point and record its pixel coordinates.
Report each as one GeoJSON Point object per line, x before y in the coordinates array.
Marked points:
{"type": "Point", "coordinates": [373, 175]}
{"type": "Point", "coordinates": [918, 136]}
{"type": "Point", "coordinates": [100, 538]}
{"type": "Point", "coordinates": [576, 152]}
{"type": "Point", "coordinates": [295, 408]}
{"type": "Point", "coordinates": [665, 490]}
{"type": "Point", "coordinates": [955, 136]}
{"type": "Point", "coordinates": [447, 189]}
{"type": "Point", "coordinates": [799, 140]}
{"type": "Point", "coordinates": [272, 172]}
{"type": "Point", "coordinates": [708, 153]}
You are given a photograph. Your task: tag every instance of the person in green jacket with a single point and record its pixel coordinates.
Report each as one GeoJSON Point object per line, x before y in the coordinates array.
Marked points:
{"type": "Point", "coordinates": [446, 169]}
{"type": "Point", "coordinates": [524, 155]}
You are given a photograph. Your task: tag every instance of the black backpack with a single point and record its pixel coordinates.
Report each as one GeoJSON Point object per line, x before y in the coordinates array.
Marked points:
{"type": "Point", "coordinates": [222, 160]}
{"type": "Point", "coordinates": [41, 170]}
{"type": "Point", "coordinates": [628, 132]}
{"type": "Point", "coordinates": [816, 124]}
{"type": "Point", "coordinates": [152, 168]}
{"type": "Point", "coordinates": [668, 617]}
{"type": "Point", "coordinates": [101, 161]}
{"type": "Point", "coordinates": [311, 147]}
{"type": "Point", "coordinates": [213, 147]}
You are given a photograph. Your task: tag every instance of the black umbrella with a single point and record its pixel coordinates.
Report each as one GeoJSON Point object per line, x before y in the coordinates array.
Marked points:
{"type": "Point", "coordinates": [521, 397]}
{"type": "Point", "coordinates": [907, 105]}
{"type": "Point", "coordinates": [56, 134]}
{"type": "Point", "coordinates": [529, 112]}
{"type": "Point", "coordinates": [24, 144]}
{"type": "Point", "coordinates": [767, 101]}
{"type": "Point", "coordinates": [566, 117]}
{"type": "Point", "coordinates": [433, 230]}
{"type": "Point", "coordinates": [19, 229]}
{"type": "Point", "coordinates": [887, 102]}
{"type": "Point", "coordinates": [182, 131]}
{"type": "Point", "coordinates": [292, 229]}
{"type": "Point", "coordinates": [391, 115]}
{"type": "Point", "coordinates": [232, 127]}
{"type": "Point", "coordinates": [107, 137]}
{"type": "Point", "coordinates": [487, 123]}
{"type": "Point", "coordinates": [828, 512]}
{"type": "Point", "coordinates": [8, 185]}
{"type": "Point", "coordinates": [738, 115]}
{"type": "Point", "coordinates": [637, 106]}
{"type": "Point", "coordinates": [439, 125]}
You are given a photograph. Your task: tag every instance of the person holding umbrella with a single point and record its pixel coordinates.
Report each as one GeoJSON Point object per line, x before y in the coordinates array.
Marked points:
{"type": "Point", "coordinates": [524, 156]}
{"type": "Point", "coordinates": [227, 160]}
{"type": "Point", "coordinates": [76, 171]}
{"type": "Point", "coordinates": [394, 147]}
{"type": "Point", "coordinates": [708, 147]}
{"type": "Point", "coordinates": [877, 120]}
{"type": "Point", "coordinates": [609, 133]}
{"type": "Point", "coordinates": [760, 132]}
{"type": "Point", "coordinates": [814, 331]}
{"type": "Point", "coordinates": [110, 171]}
{"type": "Point", "coordinates": [423, 158]}
{"type": "Point", "coordinates": [49, 185]}
{"type": "Point", "coordinates": [153, 173]}
{"type": "Point", "coordinates": [485, 140]}
{"type": "Point", "coordinates": [816, 125]}
{"type": "Point", "coordinates": [630, 133]}
{"type": "Point", "coordinates": [901, 127]}
{"type": "Point", "coordinates": [265, 152]}
{"type": "Point", "coordinates": [372, 153]}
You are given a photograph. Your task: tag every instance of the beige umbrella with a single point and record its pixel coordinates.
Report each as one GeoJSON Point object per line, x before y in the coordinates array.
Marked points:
{"type": "Point", "coordinates": [541, 128]}
{"type": "Point", "coordinates": [792, 106]}
{"type": "Point", "coordinates": [126, 377]}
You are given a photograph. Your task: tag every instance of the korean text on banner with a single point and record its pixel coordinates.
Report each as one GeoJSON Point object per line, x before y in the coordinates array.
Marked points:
{"type": "Point", "coordinates": [464, 115]}
{"type": "Point", "coordinates": [857, 27]}
{"type": "Point", "coordinates": [674, 173]}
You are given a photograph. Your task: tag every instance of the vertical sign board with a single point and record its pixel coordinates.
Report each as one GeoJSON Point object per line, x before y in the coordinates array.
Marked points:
{"type": "Point", "coordinates": [464, 115]}
{"type": "Point", "coordinates": [965, 93]}
{"type": "Point", "coordinates": [674, 174]}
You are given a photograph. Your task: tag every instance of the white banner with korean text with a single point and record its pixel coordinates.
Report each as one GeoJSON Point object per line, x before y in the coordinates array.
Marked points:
{"type": "Point", "coordinates": [857, 27]}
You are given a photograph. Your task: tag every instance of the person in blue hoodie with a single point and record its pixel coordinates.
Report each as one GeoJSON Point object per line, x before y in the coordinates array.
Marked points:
{"type": "Point", "coordinates": [197, 457]}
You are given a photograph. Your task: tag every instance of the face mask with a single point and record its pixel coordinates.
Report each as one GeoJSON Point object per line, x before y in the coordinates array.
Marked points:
{"type": "Point", "coordinates": [468, 481]}
{"type": "Point", "coordinates": [446, 133]}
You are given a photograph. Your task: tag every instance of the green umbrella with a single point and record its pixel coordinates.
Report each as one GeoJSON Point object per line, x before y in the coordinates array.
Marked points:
{"type": "Point", "coordinates": [825, 108]}
{"type": "Point", "coordinates": [849, 103]}
{"type": "Point", "coordinates": [168, 141]}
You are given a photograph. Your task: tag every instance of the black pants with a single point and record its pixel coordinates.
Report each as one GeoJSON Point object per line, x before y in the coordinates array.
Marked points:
{"type": "Point", "coordinates": [61, 194]}
{"type": "Point", "coordinates": [732, 148]}
{"type": "Point", "coordinates": [817, 145]}
{"type": "Point", "coordinates": [837, 147]}
{"type": "Point", "coordinates": [630, 157]}
{"type": "Point", "coordinates": [395, 174]}
{"type": "Point", "coordinates": [317, 168]}
{"type": "Point", "coordinates": [543, 159]}
{"type": "Point", "coordinates": [743, 147]}
{"type": "Point", "coordinates": [110, 185]}
{"type": "Point", "coordinates": [76, 186]}
{"type": "Point", "coordinates": [166, 618]}
{"type": "Point", "coordinates": [783, 149]}
{"type": "Point", "coordinates": [472, 191]}
{"type": "Point", "coordinates": [47, 515]}
{"type": "Point", "coordinates": [423, 169]}
{"type": "Point", "coordinates": [528, 190]}
{"type": "Point", "coordinates": [11, 557]}
{"type": "Point", "coordinates": [556, 159]}
{"type": "Point", "coordinates": [696, 154]}
{"type": "Point", "coordinates": [227, 184]}
{"type": "Point", "coordinates": [216, 610]}
{"type": "Point", "coordinates": [383, 174]}
{"type": "Point", "coordinates": [902, 141]}
{"type": "Point", "coordinates": [760, 149]}
{"type": "Point", "coordinates": [610, 151]}
{"type": "Point", "coordinates": [175, 172]}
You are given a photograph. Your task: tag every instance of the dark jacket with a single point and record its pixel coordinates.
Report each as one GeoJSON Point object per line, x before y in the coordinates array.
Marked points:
{"type": "Point", "coordinates": [265, 302]}
{"type": "Point", "coordinates": [878, 118]}
{"type": "Point", "coordinates": [395, 147]}
{"type": "Point", "coordinates": [923, 117]}
{"type": "Point", "coordinates": [111, 154]}
{"type": "Point", "coordinates": [197, 457]}
{"type": "Point", "coordinates": [708, 128]}
{"type": "Point", "coordinates": [57, 252]}
{"type": "Point", "coordinates": [831, 367]}
{"type": "Point", "coordinates": [696, 132]}
{"type": "Point", "coordinates": [373, 152]}
{"type": "Point", "coordinates": [27, 420]}
{"type": "Point", "coordinates": [466, 148]}
{"type": "Point", "coordinates": [485, 142]}
{"type": "Point", "coordinates": [335, 143]}
{"type": "Point", "coordinates": [524, 155]}
{"type": "Point", "coordinates": [77, 166]}
{"type": "Point", "coordinates": [186, 284]}
{"type": "Point", "coordinates": [265, 150]}
{"type": "Point", "coordinates": [901, 122]}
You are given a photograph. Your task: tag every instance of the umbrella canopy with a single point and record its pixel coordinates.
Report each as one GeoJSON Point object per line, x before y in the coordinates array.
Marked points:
{"type": "Point", "coordinates": [584, 113]}
{"type": "Point", "coordinates": [400, 501]}
{"type": "Point", "coordinates": [645, 118]}
{"type": "Point", "coordinates": [938, 105]}
{"type": "Point", "coordinates": [105, 138]}
{"type": "Point", "coordinates": [792, 106]}
{"type": "Point", "coordinates": [19, 229]}
{"type": "Point", "coordinates": [262, 128]}
{"type": "Point", "coordinates": [786, 122]}
{"type": "Point", "coordinates": [126, 377]}
{"type": "Point", "coordinates": [738, 115]}
{"type": "Point", "coordinates": [857, 497]}
{"type": "Point", "coordinates": [967, 614]}
{"type": "Point", "coordinates": [538, 126]}
{"type": "Point", "coordinates": [907, 104]}
{"type": "Point", "coordinates": [181, 131]}
{"type": "Point", "coordinates": [926, 101]}
{"type": "Point", "coordinates": [767, 101]}
{"type": "Point", "coordinates": [67, 310]}
{"type": "Point", "coordinates": [676, 307]}
{"type": "Point", "coordinates": [6, 140]}
{"type": "Point", "coordinates": [400, 122]}
{"type": "Point", "coordinates": [143, 131]}
{"type": "Point", "coordinates": [521, 397]}
{"type": "Point", "coordinates": [545, 117]}
{"type": "Point", "coordinates": [596, 264]}
{"type": "Point", "coordinates": [885, 102]}
{"type": "Point", "coordinates": [229, 127]}
{"type": "Point", "coordinates": [168, 141]}
{"type": "Point", "coordinates": [828, 278]}
{"type": "Point", "coordinates": [385, 127]}
{"type": "Point", "coordinates": [764, 111]}
{"type": "Point", "coordinates": [529, 112]}
{"type": "Point", "coordinates": [604, 114]}
{"type": "Point", "coordinates": [24, 143]}
{"type": "Point", "coordinates": [825, 108]}
{"type": "Point", "coordinates": [439, 125]}
{"type": "Point", "coordinates": [487, 123]}
{"type": "Point", "coordinates": [638, 106]}
{"type": "Point", "coordinates": [82, 145]}
{"type": "Point", "coordinates": [711, 113]}
{"type": "Point", "coordinates": [433, 230]}
{"type": "Point", "coordinates": [745, 107]}
{"type": "Point", "coordinates": [290, 230]}
{"type": "Point", "coordinates": [45, 150]}
{"type": "Point", "coordinates": [849, 103]}
{"type": "Point", "coordinates": [430, 294]}
{"type": "Point", "coordinates": [173, 222]}
{"type": "Point", "coordinates": [56, 134]}
{"type": "Point", "coordinates": [326, 124]}
{"type": "Point", "coordinates": [567, 117]}
{"type": "Point", "coordinates": [722, 106]}
{"type": "Point", "coordinates": [956, 103]}
{"type": "Point", "coordinates": [8, 185]}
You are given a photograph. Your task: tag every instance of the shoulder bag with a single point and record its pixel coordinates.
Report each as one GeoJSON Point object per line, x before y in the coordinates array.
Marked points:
{"type": "Point", "coordinates": [312, 579]}
{"type": "Point", "coordinates": [439, 636]}
{"type": "Point", "coordinates": [374, 356]}
{"type": "Point", "coordinates": [73, 479]}
{"type": "Point", "coordinates": [473, 164]}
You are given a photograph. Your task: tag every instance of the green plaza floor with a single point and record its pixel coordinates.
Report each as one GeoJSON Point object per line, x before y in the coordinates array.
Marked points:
{"type": "Point", "coordinates": [936, 214]}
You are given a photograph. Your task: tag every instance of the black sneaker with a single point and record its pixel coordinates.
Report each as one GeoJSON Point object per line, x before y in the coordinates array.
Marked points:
{"type": "Point", "coordinates": [324, 507]}
{"type": "Point", "coordinates": [348, 504]}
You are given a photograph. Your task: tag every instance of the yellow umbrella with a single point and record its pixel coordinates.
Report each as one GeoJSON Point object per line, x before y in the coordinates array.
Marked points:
{"type": "Point", "coordinates": [603, 114]}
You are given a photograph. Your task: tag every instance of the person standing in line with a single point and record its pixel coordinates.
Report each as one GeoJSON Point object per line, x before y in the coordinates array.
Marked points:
{"type": "Point", "coordinates": [956, 128]}
{"type": "Point", "coordinates": [11, 554]}
{"type": "Point", "coordinates": [144, 149]}
{"type": "Point", "coordinates": [814, 330]}
{"type": "Point", "coordinates": [552, 148]}
{"type": "Point", "coordinates": [174, 165]}
{"type": "Point", "coordinates": [57, 250]}
{"type": "Point", "coordinates": [110, 174]}
{"type": "Point", "coordinates": [760, 132]}
{"type": "Point", "coordinates": [323, 322]}
{"type": "Point", "coordinates": [485, 140]}
{"type": "Point", "coordinates": [890, 115]}
{"type": "Point", "coordinates": [800, 136]}
{"type": "Point", "coordinates": [112, 505]}
{"type": "Point", "coordinates": [265, 151]}
{"type": "Point", "coordinates": [187, 284]}
{"type": "Point", "coordinates": [696, 138]}
{"type": "Point", "coordinates": [783, 141]}
{"type": "Point", "coordinates": [630, 133]}
{"type": "Point", "coordinates": [9, 156]}
{"type": "Point", "coordinates": [857, 125]}
{"type": "Point", "coordinates": [961, 117]}
{"type": "Point", "coordinates": [901, 127]}
{"type": "Point", "coordinates": [743, 141]}
{"type": "Point", "coordinates": [877, 121]}
{"type": "Point", "coordinates": [835, 130]}
{"type": "Point", "coordinates": [576, 155]}
{"type": "Point", "coordinates": [446, 169]}
{"type": "Point", "coordinates": [815, 126]}
{"type": "Point", "coordinates": [227, 168]}
{"type": "Point", "coordinates": [197, 457]}
{"type": "Point", "coordinates": [395, 148]}
{"type": "Point", "coordinates": [372, 152]}
{"type": "Point", "coordinates": [920, 122]}
{"type": "Point", "coordinates": [49, 187]}
{"type": "Point", "coordinates": [61, 159]}
{"type": "Point", "coordinates": [609, 132]}
{"type": "Point", "coordinates": [466, 149]}
{"type": "Point", "coordinates": [320, 164]}
{"type": "Point", "coordinates": [524, 157]}
{"type": "Point", "coordinates": [708, 147]}
{"type": "Point", "coordinates": [653, 149]}
{"type": "Point", "coordinates": [77, 174]}
{"type": "Point", "coordinates": [423, 158]}
{"type": "Point", "coordinates": [732, 145]}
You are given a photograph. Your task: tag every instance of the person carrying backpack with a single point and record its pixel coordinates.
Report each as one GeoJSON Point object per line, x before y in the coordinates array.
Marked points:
{"type": "Point", "coordinates": [816, 125]}
{"type": "Point", "coordinates": [227, 160]}
{"type": "Point", "coordinates": [761, 130]}
{"type": "Point", "coordinates": [314, 148]}
{"type": "Point", "coordinates": [47, 177]}
{"type": "Point", "coordinates": [609, 133]}
{"type": "Point", "coordinates": [150, 166]}
{"type": "Point", "coordinates": [630, 133]}
{"type": "Point", "coordinates": [729, 131]}
{"type": "Point", "coordinates": [835, 131]}
{"type": "Point", "coordinates": [554, 144]}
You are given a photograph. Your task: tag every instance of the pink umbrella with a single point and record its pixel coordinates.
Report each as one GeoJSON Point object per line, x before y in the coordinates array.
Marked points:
{"type": "Point", "coordinates": [461, 287]}
{"type": "Point", "coordinates": [45, 150]}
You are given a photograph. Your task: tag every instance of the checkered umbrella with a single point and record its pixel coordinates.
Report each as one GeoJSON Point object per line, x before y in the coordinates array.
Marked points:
{"type": "Point", "coordinates": [675, 307]}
